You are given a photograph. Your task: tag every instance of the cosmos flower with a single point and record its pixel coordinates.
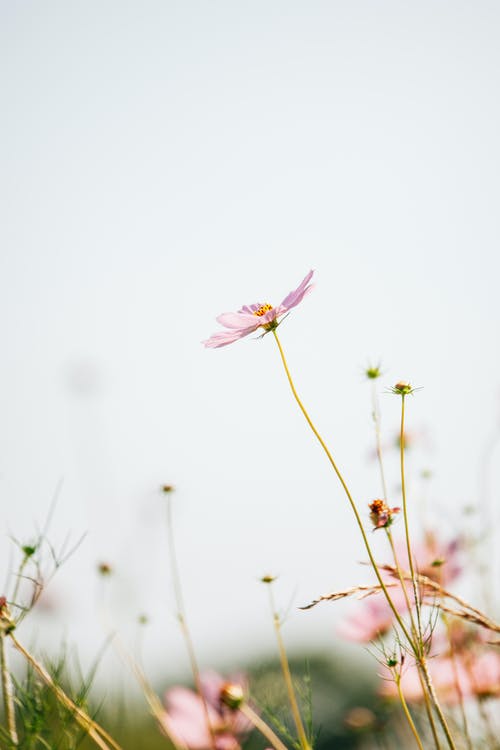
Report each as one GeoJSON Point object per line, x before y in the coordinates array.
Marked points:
{"type": "Point", "coordinates": [185, 718]}
{"type": "Point", "coordinates": [259, 315]}
{"type": "Point", "coordinates": [373, 619]}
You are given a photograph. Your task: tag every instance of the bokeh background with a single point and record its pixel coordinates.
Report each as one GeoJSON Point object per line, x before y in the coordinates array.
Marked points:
{"type": "Point", "coordinates": [163, 162]}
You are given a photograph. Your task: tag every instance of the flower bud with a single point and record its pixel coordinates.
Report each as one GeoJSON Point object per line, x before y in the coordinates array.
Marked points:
{"type": "Point", "coordinates": [232, 695]}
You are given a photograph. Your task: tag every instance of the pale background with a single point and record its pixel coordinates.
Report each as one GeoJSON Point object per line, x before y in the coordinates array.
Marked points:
{"type": "Point", "coordinates": [162, 162]}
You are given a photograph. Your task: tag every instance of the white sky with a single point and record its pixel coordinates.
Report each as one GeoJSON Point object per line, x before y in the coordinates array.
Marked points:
{"type": "Point", "coordinates": [162, 162]}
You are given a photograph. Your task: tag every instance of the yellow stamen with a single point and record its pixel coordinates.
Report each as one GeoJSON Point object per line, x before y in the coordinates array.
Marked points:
{"type": "Point", "coordinates": [263, 309]}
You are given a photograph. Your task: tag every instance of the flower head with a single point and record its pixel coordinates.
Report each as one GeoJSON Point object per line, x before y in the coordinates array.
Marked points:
{"type": "Point", "coordinates": [380, 514]}
{"type": "Point", "coordinates": [258, 315]}
{"type": "Point", "coordinates": [186, 718]}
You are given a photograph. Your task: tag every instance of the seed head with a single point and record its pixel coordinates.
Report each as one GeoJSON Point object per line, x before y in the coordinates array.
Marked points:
{"type": "Point", "coordinates": [373, 372]}
{"type": "Point", "coordinates": [268, 578]}
{"type": "Point", "coordinates": [381, 515]}
{"type": "Point", "coordinates": [104, 569]}
{"type": "Point", "coordinates": [402, 388]}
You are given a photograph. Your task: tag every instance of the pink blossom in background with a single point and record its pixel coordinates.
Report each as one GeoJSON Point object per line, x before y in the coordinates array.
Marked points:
{"type": "Point", "coordinates": [478, 676]}
{"type": "Point", "coordinates": [373, 618]}
{"type": "Point", "coordinates": [258, 315]}
{"type": "Point", "coordinates": [435, 558]}
{"type": "Point", "coordinates": [185, 718]}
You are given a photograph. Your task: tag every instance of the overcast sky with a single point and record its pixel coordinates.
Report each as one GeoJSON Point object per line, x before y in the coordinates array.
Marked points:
{"type": "Point", "coordinates": [162, 162]}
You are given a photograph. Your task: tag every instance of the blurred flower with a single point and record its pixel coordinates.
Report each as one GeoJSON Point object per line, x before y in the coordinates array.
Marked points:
{"type": "Point", "coordinates": [186, 719]}
{"type": "Point", "coordinates": [478, 676]}
{"type": "Point", "coordinates": [258, 315]}
{"type": "Point", "coordinates": [435, 558]}
{"type": "Point", "coordinates": [373, 619]}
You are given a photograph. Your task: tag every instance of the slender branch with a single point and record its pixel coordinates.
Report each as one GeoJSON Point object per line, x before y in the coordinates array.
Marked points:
{"type": "Point", "coordinates": [407, 713]}
{"type": "Point", "coordinates": [285, 668]}
{"type": "Point", "coordinates": [181, 616]}
{"type": "Point", "coordinates": [262, 727]}
{"type": "Point", "coordinates": [8, 691]}
{"type": "Point", "coordinates": [349, 497]}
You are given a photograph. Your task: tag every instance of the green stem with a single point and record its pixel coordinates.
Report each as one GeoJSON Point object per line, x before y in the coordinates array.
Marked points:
{"type": "Point", "coordinates": [416, 594]}
{"type": "Point", "coordinates": [378, 441]}
{"type": "Point", "coordinates": [349, 497]}
{"type": "Point", "coordinates": [422, 660]}
{"type": "Point", "coordinates": [407, 713]}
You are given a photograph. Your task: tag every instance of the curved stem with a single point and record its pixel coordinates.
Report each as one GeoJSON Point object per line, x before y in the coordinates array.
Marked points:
{"type": "Point", "coordinates": [349, 497]}
{"type": "Point", "coordinates": [416, 647]}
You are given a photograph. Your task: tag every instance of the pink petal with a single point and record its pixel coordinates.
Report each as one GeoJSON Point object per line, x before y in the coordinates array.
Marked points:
{"type": "Point", "coordinates": [238, 321]}
{"type": "Point", "coordinates": [223, 338]}
{"type": "Point", "coordinates": [293, 299]}
{"type": "Point", "coordinates": [186, 719]}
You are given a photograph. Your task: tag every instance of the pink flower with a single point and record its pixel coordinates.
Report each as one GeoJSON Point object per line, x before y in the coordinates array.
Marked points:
{"type": "Point", "coordinates": [185, 719]}
{"type": "Point", "coordinates": [258, 315]}
{"type": "Point", "coordinates": [374, 619]}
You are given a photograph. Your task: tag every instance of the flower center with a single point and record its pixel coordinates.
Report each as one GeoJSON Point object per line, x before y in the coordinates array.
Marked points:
{"type": "Point", "coordinates": [263, 309]}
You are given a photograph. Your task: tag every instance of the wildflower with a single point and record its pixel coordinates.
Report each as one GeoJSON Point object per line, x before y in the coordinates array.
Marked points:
{"type": "Point", "coordinates": [185, 718]}
{"type": "Point", "coordinates": [258, 315]}
{"type": "Point", "coordinates": [380, 514]}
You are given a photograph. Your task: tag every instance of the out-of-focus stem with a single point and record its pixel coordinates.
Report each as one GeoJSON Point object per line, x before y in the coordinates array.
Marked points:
{"type": "Point", "coordinates": [262, 727]}
{"type": "Point", "coordinates": [8, 691]}
{"type": "Point", "coordinates": [407, 713]}
{"type": "Point", "coordinates": [181, 616]}
{"type": "Point", "coordinates": [456, 680]}
{"type": "Point", "coordinates": [99, 735]}
{"type": "Point", "coordinates": [428, 708]}
{"type": "Point", "coordinates": [285, 668]}
{"type": "Point", "coordinates": [378, 441]}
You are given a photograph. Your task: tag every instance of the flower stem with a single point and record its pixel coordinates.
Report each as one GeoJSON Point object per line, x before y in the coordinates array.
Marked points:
{"type": "Point", "coordinates": [416, 648]}
{"type": "Point", "coordinates": [99, 735]}
{"type": "Point", "coordinates": [407, 712]}
{"type": "Point", "coordinates": [422, 660]}
{"type": "Point", "coordinates": [348, 494]}
{"type": "Point", "coordinates": [8, 691]}
{"type": "Point", "coordinates": [262, 727]}
{"type": "Point", "coordinates": [416, 593]}
{"type": "Point", "coordinates": [181, 616]}
{"type": "Point", "coordinates": [378, 441]}
{"type": "Point", "coordinates": [285, 668]}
